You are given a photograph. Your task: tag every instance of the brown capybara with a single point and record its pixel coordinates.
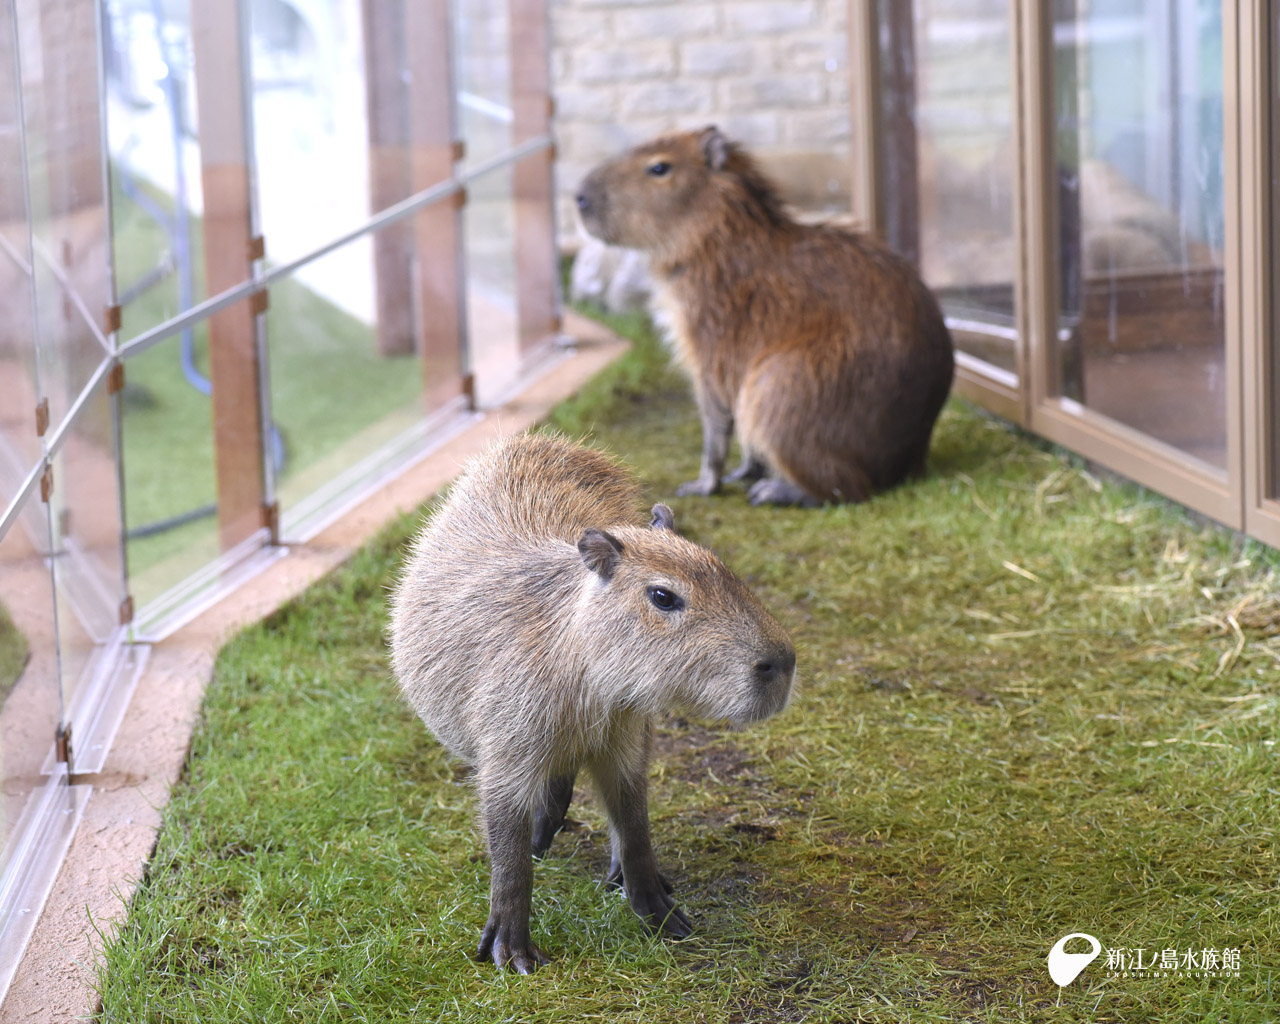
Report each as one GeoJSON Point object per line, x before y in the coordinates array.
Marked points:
{"type": "Point", "coordinates": [820, 346]}
{"type": "Point", "coordinates": [540, 622]}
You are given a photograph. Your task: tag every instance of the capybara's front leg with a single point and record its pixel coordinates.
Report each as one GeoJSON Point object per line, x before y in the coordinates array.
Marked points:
{"type": "Point", "coordinates": [717, 429]}
{"type": "Point", "coordinates": [623, 786]}
{"type": "Point", "coordinates": [506, 940]}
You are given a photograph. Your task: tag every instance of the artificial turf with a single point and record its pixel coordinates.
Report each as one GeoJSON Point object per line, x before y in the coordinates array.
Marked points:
{"type": "Point", "coordinates": [1031, 702]}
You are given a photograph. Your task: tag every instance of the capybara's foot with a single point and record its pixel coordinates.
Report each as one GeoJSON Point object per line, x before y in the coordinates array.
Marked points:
{"type": "Point", "coordinates": [773, 491]}
{"type": "Point", "coordinates": [509, 945]}
{"type": "Point", "coordinates": [750, 471]}
{"type": "Point", "coordinates": [658, 911]}
{"type": "Point", "coordinates": [703, 487]}
{"type": "Point", "coordinates": [613, 880]}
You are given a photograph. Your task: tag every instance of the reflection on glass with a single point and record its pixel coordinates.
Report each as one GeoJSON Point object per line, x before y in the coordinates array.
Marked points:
{"type": "Point", "coordinates": [155, 167]}
{"type": "Point", "coordinates": [85, 517]}
{"type": "Point", "coordinates": [493, 332]}
{"type": "Point", "coordinates": [482, 75]}
{"type": "Point", "coordinates": [335, 398]}
{"type": "Point", "coordinates": [319, 131]}
{"type": "Point", "coordinates": [30, 702]}
{"type": "Point", "coordinates": [168, 467]}
{"type": "Point", "coordinates": [70, 254]}
{"type": "Point", "coordinates": [949, 112]}
{"type": "Point", "coordinates": [19, 386]}
{"type": "Point", "coordinates": [1138, 87]}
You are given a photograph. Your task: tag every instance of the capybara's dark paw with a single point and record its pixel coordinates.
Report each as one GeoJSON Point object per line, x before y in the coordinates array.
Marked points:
{"type": "Point", "coordinates": [658, 911]}
{"type": "Point", "coordinates": [748, 472]}
{"type": "Point", "coordinates": [613, 880]}
{"type": "Point", "coordinates": [772, 491]}
{"type": "Point", "coordinates": [700, 488]}
{"type": "Point", "coordinates": [510, 946]}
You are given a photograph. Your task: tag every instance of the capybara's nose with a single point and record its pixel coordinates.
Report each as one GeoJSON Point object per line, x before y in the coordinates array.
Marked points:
{"type": "Point", "coordinates": [776, 667]}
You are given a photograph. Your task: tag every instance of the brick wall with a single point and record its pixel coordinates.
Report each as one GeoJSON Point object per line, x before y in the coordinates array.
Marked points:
{"type": "Point", "coordinates": [771, 73]}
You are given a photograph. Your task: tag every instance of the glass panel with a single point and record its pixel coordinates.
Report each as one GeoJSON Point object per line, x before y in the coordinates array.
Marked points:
{"type": "Point", "coordinates": [492, 330]}
{"type": "Point", "coordinates": [171, 494]}
{"type": "Point", "coordinates": [312, 109]}
{"type": "Point", "coordinates": [482, 76]}
{"type": "Point", "coordinates": [19, 387]}
{"type": "Point", "coordinates": [949, 99]}
{"type": "Point", "coordinates": [323, 339]}
{"type": "Point", "coordinates": [30, 704]}
{"type": "Point", "coordinates": [61, 111]}
{"type": "Point", "coordinates": [1138, 89]}
{"type": "Point", "coordinates": [85, 516]}
{"type": "Point", "coordinates": [155, 169]}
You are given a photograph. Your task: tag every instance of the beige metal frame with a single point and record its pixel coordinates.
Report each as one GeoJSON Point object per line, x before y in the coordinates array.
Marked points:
{"type": "Point", "coordinates": [1257, 75]}
{"type": "Point", "coordinates": [1244, 495]}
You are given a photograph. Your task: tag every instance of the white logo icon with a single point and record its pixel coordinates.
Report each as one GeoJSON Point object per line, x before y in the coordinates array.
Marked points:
{"type": "Point", "coordinates": [1065, 967]}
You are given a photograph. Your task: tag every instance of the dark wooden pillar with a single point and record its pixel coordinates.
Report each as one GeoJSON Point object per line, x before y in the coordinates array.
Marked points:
{"type": "Point", "coordinates": [898, 122]}
{"type": "Point", "coordinates": [537, 285]}
{"type": "Point", "coordinates": [384, 63]}
{"type": "Point", "coordinates": [228, 253]}
{"type": "Point", "coordinates": [437, 230]}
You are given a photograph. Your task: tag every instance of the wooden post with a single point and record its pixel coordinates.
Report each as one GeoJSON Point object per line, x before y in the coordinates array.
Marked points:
{"type": "Point", "coordinates": [537, 279]}
{"type": "Point", "coordinates": [866, 196]}
{"type": "Point", "coordinates": [902, 207]}
{"type": "Point", "coordinates": [437, 230]}
{"type": "Point", "coordinates": [388, 173]}
{"type": "Point", "coordinates": [233, 351]}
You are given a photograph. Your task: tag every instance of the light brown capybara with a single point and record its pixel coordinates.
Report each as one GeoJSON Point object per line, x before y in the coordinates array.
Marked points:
{"type": "Point", "coordinates": [540, 622]}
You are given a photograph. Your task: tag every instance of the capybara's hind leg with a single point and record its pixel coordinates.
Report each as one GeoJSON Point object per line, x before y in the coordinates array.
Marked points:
{"type": "Point", "coordinates": [751, 469]}
{"type": "Point", "coordinates": [550, 817]}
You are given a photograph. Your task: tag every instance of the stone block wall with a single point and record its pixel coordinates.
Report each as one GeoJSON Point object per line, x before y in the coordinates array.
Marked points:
{"type": "Point", "coordinates": [771, 73]}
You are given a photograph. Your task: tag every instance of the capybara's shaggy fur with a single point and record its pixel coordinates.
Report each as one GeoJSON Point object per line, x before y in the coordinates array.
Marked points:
{"type": "Point", "coordinates": [540, 622]}
{"type": "Point", "coordinates": [821, 346]}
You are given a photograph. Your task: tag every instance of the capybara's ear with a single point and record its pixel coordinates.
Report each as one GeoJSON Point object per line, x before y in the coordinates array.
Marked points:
{"type": "Point", "coordinates": [663, 518]}
{"type": "Point", "coordinates": [715, 147]}
{"type": "Point", "coordinates": [601, 552]}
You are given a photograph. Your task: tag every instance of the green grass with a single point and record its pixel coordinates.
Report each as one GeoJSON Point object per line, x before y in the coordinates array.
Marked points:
{"type": "Point", "coordinates": [316, 351]}
{"type": "Point", "coordinates": [13, 653]}
{"type": "Point", "coordinates": [1031, 703]}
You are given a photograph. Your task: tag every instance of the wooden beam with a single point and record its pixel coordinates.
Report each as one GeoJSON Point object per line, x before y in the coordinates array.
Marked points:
{"type": "Point", "coordinates": [437, 230]}
{"type": "Point", "coordinates": [233, 350]}
{"type": "Point", "coordinates": [866, 193]}
{"type": "Point", "coordinates": [388, 173]}
{"type": "Point", "coordinates": [898, 80]}
{"type": "Point", "coordinates": [537, 278]}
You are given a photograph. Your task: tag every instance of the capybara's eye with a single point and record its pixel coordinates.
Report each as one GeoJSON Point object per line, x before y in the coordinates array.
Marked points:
{"type": "Point", "coordinates": [659, 168]}
{"type": "Point", "coordinates": [665, 600]}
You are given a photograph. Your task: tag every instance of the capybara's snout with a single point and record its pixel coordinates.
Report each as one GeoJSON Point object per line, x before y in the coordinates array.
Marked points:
{"type": "Point", "coordinates": [590, 198]}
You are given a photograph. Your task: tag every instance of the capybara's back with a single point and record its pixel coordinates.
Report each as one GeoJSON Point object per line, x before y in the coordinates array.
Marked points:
{"type": "Point", "coordinates": [534, 486]}
{"type": "Point", "coordinates": [820, 346]}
